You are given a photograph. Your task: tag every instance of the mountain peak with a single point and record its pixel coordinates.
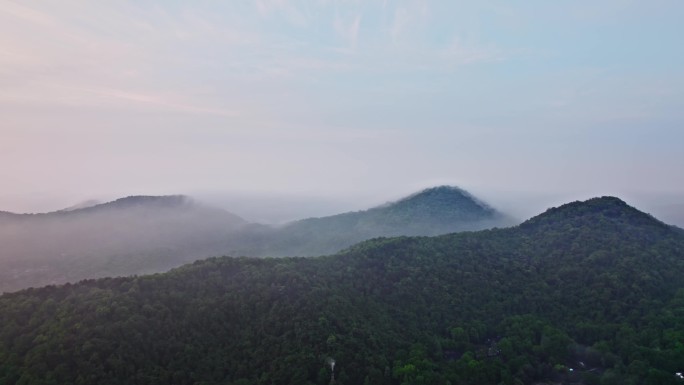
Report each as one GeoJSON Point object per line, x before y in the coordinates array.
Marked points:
{"type": "Point", "coordinates": [446, 191]}
{"type": "Point", "coordinates": [81, 205]}
{"type": "Point", "coordinates": [433, 211]}
{"type": "Point", "coordinates": [592, 211]}
{"type": "Point", "coordinates": [444, 201]}
{"type": "Point", "coordinates": [141, 201]}
{"type": "Point", "coordinates": [171, 200]}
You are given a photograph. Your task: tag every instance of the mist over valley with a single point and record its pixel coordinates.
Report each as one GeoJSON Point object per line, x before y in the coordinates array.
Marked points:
{"type": "Point", "coordinates": [149, 234]}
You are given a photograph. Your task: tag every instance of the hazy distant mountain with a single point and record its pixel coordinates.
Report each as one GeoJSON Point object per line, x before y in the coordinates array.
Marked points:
{"type": "Point", "coordinates": [133, 235]}
{"type": "Point", "coordinates": [146, 234]}
{"type": "Point", "coordinates": [587, 293]}
{"type": "Point", "coordinates": [82, 205]}
{"type": "Point", "coordinates": [434, 211]}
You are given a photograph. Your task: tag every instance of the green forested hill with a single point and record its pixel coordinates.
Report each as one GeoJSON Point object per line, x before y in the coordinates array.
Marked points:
{"type": "Point", "coordinates": [591, 292]}
{"type": "Point", "coordinates": [433, 211]}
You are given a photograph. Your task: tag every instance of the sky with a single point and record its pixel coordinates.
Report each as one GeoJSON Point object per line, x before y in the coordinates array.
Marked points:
{"type": "Point", "coordinates": [356, 100]}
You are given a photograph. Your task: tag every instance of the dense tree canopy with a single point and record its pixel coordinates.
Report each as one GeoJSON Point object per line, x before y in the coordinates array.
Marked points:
{"type": "Point", "coordinates": [590, 292]}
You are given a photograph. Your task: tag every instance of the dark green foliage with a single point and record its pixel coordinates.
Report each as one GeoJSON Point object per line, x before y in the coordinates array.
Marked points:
{"type": "Point", "coordinates": [596, 287]}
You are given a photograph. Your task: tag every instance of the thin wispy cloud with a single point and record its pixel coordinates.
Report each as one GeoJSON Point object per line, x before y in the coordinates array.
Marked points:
{"type": "Point", "coordinates": [348, 29]}
{"type": "Point", "coordinates": [25, 13]}
{"type": "Point", "coordinates": [295, 15]}
{"type": "Point", "coordinates": [408, 17]}
{"type": "Point", "coordinates": [460, 53]}
{"type": "Point", "coordinates": [64, 63]}
{"type": "Point", "coordinates": [104, 97]}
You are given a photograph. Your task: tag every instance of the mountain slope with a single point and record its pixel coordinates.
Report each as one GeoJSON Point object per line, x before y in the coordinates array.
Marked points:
{"type": "Point", "coordinates": [148, 234]}
{"type": "Point", "coordinates": [82, 205]}
{"type": "Point", "coordinates": [594, 286]}
{"type": "Point", "coordinates": [131, 235]}
{"type": "Point", "coordinates": [433, 211]}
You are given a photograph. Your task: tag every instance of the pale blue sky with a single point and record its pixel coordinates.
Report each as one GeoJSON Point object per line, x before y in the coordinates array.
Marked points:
{"type": "Point", "coordinates": [339, 98]}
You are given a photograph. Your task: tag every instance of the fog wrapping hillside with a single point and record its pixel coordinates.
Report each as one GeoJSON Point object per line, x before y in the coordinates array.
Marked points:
{"type": "Point", "coordinates": [587, 293]}
{"type": "Point", "coordinates": [139, 235]}
{"type": "Point", "coordinates": [129, 236]}
{"type": "Point", "coordinates": [433, 211]}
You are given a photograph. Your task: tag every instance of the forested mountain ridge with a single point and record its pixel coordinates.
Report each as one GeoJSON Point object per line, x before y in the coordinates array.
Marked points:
{"type": "Point", "coordinates": [606, 209]}
{"type": "Point", "coordinates": [433, 211]}
{"type": "Point", "coordinates": [148, 234]}
{"type": "Point", "coordinates": [588, 293]}
{"type": "Point", "coordinates": [438, 210]}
